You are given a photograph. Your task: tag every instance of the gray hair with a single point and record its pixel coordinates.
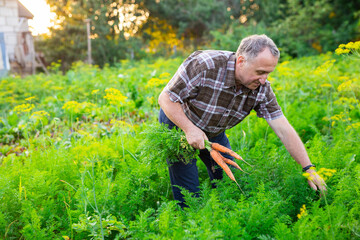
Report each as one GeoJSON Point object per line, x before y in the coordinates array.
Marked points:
{"type": "Point", "coordinates": [252, 45]}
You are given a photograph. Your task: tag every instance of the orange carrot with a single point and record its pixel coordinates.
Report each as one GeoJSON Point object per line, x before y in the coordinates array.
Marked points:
{"type": "Point", "coordinates": [232, 163]}
{"type": "Point", "coordinates": [227, 151]}
{"type": "Point", "coordinates": [218, 159]}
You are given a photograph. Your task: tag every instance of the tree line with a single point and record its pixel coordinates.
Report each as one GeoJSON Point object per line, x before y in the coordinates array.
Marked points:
{"type": "Point", "coordinates": [138, 29]}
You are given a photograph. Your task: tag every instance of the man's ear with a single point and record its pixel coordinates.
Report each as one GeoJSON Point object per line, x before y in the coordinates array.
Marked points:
{"type": "Point", "coordinates": [240, 60]}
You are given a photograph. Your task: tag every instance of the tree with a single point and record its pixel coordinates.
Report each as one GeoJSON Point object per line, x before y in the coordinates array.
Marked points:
{"type": "Point", "coordinates": [309, 27]}
{"type": "Point", "coordinates": [112, 37]}
{"type": "Point", "coordinates": [193, 19]}
{"type": "Point", "coordinates": [299, 27]}
{"type": "Point", "coordinates": [67, 41]}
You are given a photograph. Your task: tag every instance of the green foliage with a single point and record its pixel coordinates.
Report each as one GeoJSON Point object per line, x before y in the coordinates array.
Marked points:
{"type": "Point", "coordinates": [128, 29]}
{"type": "Point", "coordinates": [166, 144]}
{"type": "Point", "coordinates": [108, 41]}
{"type": "Point", "coordinates": [230, 39]}
{"type": "Point", "coordinates": [101, 172]}
{"type": "Point", "coordinates": [108, 226]}
{"type": "Point", "coordinates": [193, 19]}
{"type": "Point", "coordinates": [299, 28]}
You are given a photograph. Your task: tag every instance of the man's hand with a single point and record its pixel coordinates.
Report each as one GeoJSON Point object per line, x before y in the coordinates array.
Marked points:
{"type": "Point", "coordinates": [196, 137]}
{"type": "Point", "coordinates": [173, 110]}
{"type": "Point", "coordinates": [315, 181]}
{"type": "Point", "coordinates": [296, 148]}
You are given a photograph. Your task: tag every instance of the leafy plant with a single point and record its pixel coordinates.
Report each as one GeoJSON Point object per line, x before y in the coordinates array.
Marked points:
{"type": "Point", "coordinates": [164, 143]}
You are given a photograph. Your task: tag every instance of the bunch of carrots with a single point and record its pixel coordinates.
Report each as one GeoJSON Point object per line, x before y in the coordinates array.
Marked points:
{"type": "Point", "coordinates": [215, 149]}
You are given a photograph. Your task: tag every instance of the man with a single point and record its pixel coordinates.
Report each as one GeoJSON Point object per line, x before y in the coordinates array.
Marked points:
{"type": "Point", "coordinates": [213, 91]}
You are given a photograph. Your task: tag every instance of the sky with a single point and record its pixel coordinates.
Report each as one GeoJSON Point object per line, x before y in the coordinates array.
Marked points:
{"type": "Point", "coordinates": [42, 16]}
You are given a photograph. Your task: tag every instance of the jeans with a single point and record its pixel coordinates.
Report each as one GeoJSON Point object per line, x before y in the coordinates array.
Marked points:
{"type": "Point", "coordinates": [186, 175]}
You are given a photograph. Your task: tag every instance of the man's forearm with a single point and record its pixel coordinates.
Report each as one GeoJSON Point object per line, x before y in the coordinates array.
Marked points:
{"type": "Point", "coordinates": [194, 135]}
{"type": "Point", "coordinates": [296, 148]}
{"type": "Point", "coordinates": [291, 140]}
{"type": "Point", "coordinates": [174, 112]}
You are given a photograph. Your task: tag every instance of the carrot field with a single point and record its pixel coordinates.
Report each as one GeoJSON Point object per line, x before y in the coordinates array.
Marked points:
{"type": "Point", "coordinates": [75, 159]}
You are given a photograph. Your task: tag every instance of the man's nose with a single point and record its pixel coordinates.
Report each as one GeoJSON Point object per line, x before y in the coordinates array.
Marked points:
{"type": "Point", "coordinates": [262, 80]}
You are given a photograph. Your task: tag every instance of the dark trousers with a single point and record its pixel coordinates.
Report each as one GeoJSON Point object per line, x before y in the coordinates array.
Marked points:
{"type": "Point", "coordinates": [186, 175]}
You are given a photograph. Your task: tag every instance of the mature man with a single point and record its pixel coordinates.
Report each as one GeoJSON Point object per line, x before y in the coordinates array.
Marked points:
{"type": "Point", "coordinates": [213, 91]}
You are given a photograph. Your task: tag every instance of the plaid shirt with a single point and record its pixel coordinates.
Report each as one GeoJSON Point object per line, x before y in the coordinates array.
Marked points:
{"type": "Point", "coordinates": [205, 86]}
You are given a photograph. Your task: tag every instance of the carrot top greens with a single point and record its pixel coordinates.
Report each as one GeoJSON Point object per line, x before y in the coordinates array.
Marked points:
{"type": "Point", "coordinates": [164, 143]}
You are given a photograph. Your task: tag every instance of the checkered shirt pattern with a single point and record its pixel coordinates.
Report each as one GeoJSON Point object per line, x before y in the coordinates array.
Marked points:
{"type": "Point", "coordinates": [205, 86]}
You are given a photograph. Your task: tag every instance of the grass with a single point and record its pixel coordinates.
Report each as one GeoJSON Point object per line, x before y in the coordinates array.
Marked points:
{"type": "Point", "coordinates": [87, 171]}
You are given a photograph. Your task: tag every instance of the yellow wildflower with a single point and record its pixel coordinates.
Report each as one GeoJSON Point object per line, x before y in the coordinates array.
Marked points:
{"type": "Point", "coordinates": [164, 75]}
{"type": "Point", "coordinates": [307, 175]}
{"type": "Point", "coordinates": [344, 86]}
{"type": "Point", "coordinates": [340, 118]}
{"type": "Point", "coordinates": [340, 51]}
{"type": "Point", "coordinates": [156, 82]}
{"type": "Point", "coordinates": [122, 125]}
{"type": "Point", "coordinates": [39, 117]}
{"type": "Point", "coordinates": [39, 114]}
{"type": "Point", "coordinates": [302, 212]}
{"type": "Point", "coordinates": [271, 79]}
{"type": "Point", "coordinates": [347, 102]}
{"type": "Point", "coordinates": [76, 107]}
{"type": "Point", "coordinates": [325, 173]}
{"type": "Point", "coordinates": [326, 85]}
{"type": "Point", "coordinates": [56, 88]}
{"type": "Point", "coordinates": [356, 45]}
{"type": "Point", "coordinates": [284, 63]}
{"type": "Point", "coordinates": [26, 107]}
{"type": "Point", "coordinates": [349, 47]}
{"type": "Point", "coordinates": [343, 78]}
{"type": "Point", "coordinates": [30, 98]}
{"type": "Point", "coordinates": [72, 106]}
{"type": "Point", "coordinates": [353, 126]}
{"type": "Point", "coordinates": [95, 91]}
{"type": "Point", "coordinates": [325, 67]}
{"type": "Point", "coordinates": [114, 96]}
{"type": "Point", "coordinates": [94, 149]}
{"type": "Point", "coordinates": [87, 107]}
{"type": "Point", "coordinates": [284, 71]}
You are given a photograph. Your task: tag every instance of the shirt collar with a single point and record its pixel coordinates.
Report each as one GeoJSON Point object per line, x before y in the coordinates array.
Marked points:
{"type": "Point", "coordinates": [230, 75]}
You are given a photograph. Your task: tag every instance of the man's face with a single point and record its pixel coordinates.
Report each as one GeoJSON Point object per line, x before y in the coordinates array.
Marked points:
{"type": "Point", "coordinates": [254, 73]}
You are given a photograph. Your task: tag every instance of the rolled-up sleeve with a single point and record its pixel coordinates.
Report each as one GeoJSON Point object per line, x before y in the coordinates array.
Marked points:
{"type": "Point", "coordinates": [269, 108]}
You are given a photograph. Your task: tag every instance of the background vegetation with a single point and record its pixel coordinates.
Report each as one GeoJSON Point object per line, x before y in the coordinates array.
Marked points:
{"type": "Point", "coordinates": [74, 161]}
{"type": "Point", "coordinates": [144, 29]}
{"type": "Point", "coordinates": [81, 156]}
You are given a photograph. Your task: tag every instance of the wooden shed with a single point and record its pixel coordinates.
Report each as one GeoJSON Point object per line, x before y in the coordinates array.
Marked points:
{"type": "Point", "coordinates": [17, 53]}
